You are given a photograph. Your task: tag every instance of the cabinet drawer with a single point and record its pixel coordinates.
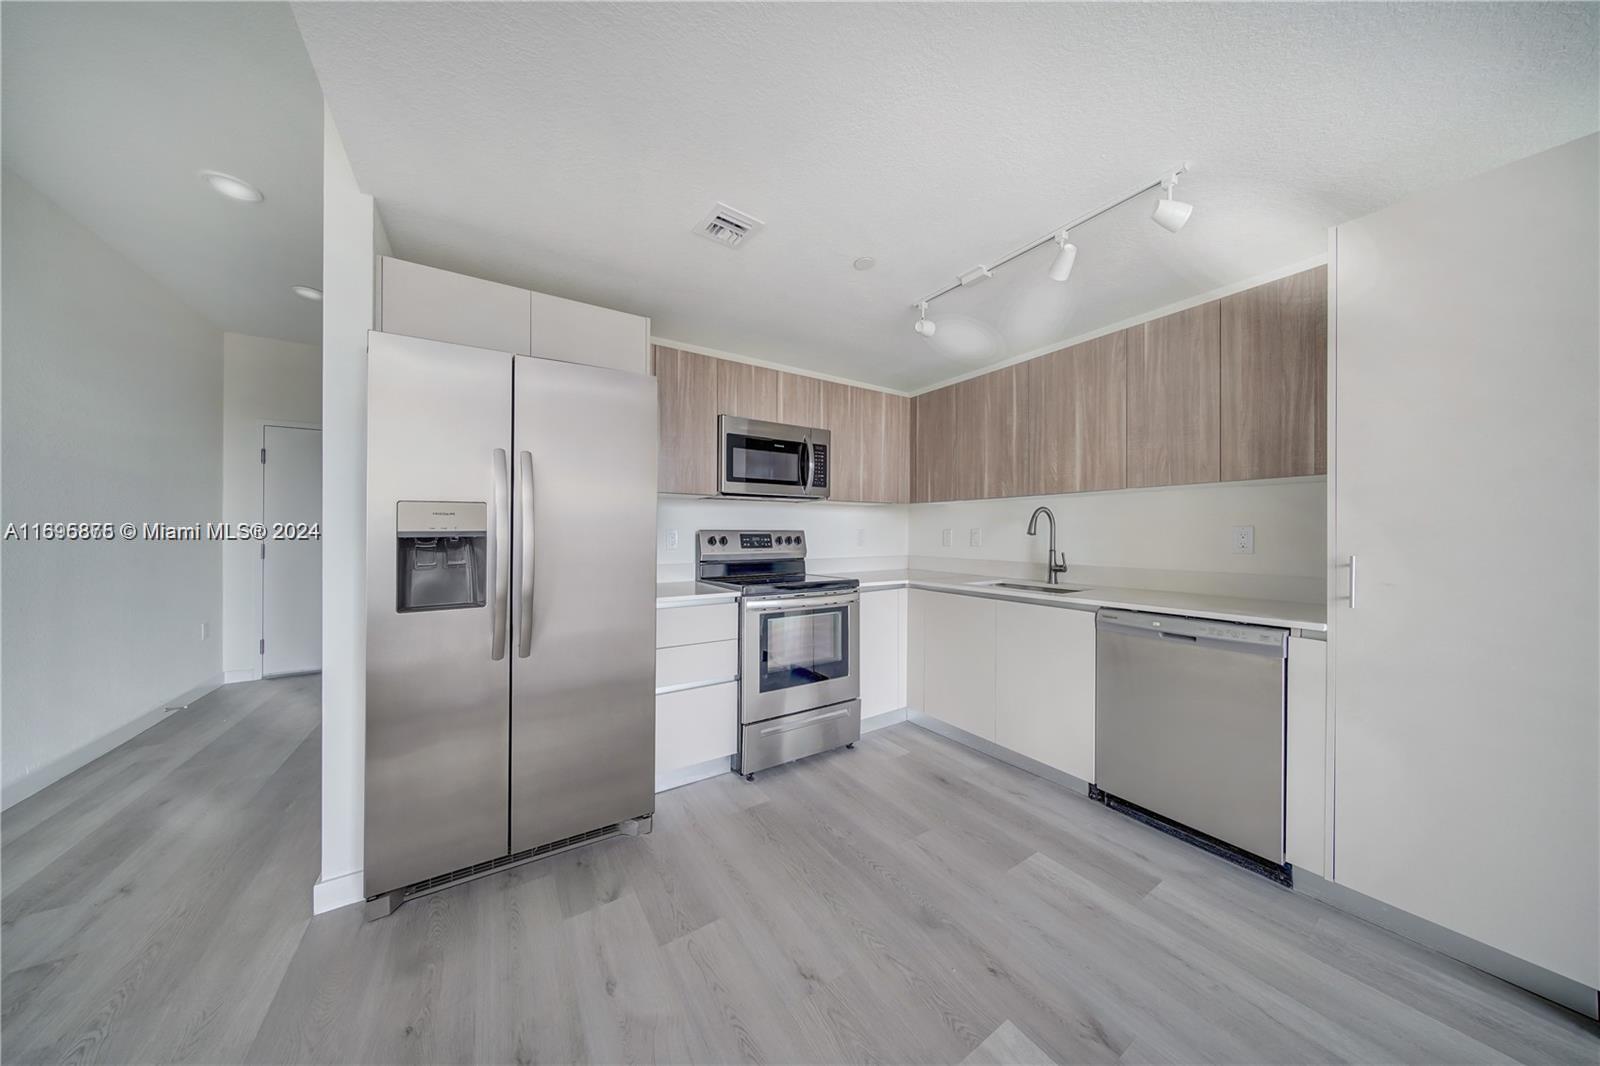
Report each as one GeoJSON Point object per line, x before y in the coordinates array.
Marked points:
{"type": "Point", "coordinates": [696, 725]}
{"type": "Point", "coordinates": [696, 625]}
{"type": "Point", "coordinates": [697, 664]}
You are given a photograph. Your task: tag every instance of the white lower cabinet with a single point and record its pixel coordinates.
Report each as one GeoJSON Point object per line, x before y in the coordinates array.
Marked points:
{"type": "Point", "coordinates": [1306, 839]}
{"type": "Point", "coordinates": [883, 651]}
{"type": "Point", "coordinates": [695, 725]}
{"type": "Point", "coordinates": [1044, 685]}
{"type": "Point", "coordinates": [958, 668]}
{"type": "Point", "coordinates": [697, 691]}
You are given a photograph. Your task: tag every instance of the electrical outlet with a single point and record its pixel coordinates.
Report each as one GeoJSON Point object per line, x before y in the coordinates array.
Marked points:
{"type": "Point", "coordinates": [974, 537]}
{"type": "Point", "coordinates": [861, 538]}
{"type": "Point", "coordinates": [945, 538]}
{"type": "Point", "coordinates": [672, 538]}
{"type": "Point", "coordinates": [1244, 540]}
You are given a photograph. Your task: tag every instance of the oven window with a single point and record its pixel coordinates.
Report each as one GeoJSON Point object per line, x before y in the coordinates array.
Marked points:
{"type": "Point", "coordinates": [763, 461]}
{"type": "Point", "coordinates": [802, 647]}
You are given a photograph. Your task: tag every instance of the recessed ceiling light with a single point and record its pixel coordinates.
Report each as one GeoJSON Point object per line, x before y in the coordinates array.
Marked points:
{"type": "Point", "coordinates": [231, 187]}
{"type": "Point", "coordinates": [306, 292]}
{"type": "Point", "coordinates": [866, 262]}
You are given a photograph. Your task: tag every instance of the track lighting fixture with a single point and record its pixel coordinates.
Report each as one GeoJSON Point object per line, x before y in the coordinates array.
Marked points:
{"type": "Point", "coordinates": [1171, 214]}
{"type": "Point", "coordinates": [1066, 253]}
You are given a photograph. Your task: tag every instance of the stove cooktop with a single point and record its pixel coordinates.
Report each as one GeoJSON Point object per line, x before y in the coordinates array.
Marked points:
{"type": "Point", "coordinates": [754, 585]}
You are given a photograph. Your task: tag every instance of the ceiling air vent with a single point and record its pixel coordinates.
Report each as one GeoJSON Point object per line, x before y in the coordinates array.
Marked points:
{"type": "Point", "coordinates": [728, 227]}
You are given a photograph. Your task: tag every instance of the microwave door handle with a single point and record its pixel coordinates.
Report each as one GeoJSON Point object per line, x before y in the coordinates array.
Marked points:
{"type": "Point", "coordinates": [805, 464]}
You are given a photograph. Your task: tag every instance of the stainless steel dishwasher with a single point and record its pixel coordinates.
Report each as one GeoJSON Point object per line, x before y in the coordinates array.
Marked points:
{"type": "Point", "coordinates": [1189, 723]}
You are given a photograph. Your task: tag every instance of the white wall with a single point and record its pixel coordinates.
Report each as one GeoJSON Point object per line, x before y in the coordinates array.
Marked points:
{"type": "Point", "coordinates": [112, 413]}
{"type": "Point", "coordinates": [351, 239]}
{"type": "Point", "coordinates": [1177, 538]}
{"type": "Point", "coordinates": [859, 536]}
{"type": "Point", "coordinates": [262, 381]}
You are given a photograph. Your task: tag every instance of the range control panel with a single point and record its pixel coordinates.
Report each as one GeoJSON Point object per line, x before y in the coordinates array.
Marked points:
{"type": "Point", "coordinates": [750, 544]}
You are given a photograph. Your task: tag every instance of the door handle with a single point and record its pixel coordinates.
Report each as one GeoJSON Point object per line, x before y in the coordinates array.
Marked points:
{"type": "Point", "coordinates": [525, 584]}
{"type": "Point", "coordinates": [500, 553]}
{"type": "Point", "coordinates": [805, 465]}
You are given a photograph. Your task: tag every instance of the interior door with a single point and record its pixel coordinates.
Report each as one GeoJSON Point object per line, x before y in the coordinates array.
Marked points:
{"type": "Point", "coordinates": [291, 567]}
{"type": "Point", "coordinates": [583, 603]}
{"type": "Point", "coordinates": [438, 674]}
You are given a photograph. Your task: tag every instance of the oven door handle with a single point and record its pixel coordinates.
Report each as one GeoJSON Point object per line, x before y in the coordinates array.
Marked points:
{"type": "Point", "coordinates": [764, 606]}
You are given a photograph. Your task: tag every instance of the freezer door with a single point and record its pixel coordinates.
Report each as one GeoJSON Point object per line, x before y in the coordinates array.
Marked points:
{"type": "Point", "coordinates": [583, 600]}
{"type": "Point", "coordinates": [438, 540]}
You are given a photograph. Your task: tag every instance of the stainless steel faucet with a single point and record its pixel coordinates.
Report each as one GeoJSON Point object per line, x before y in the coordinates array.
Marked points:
{"type": "Point", "coordinates": [1033, 531]}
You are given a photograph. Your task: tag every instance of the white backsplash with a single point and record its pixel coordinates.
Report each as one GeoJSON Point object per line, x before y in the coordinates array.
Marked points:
{"type": "Point", "coordinates": [1177, 538]}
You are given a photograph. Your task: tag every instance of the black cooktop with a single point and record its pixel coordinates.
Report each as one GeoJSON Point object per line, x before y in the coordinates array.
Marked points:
{"type": "Point", "coordinates": [783, 584]}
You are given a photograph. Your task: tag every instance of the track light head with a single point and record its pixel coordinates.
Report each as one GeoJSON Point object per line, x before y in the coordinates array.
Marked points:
{"type": "Point", "coordinates": [923, 326]}
{"type": "Point", "coordinates": [1066, 254]}
{"type": "Point", "coordinates": [1171, 215]}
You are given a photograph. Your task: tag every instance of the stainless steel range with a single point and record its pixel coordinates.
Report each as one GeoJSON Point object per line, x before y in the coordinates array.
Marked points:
{"type": "Point", "coordinates": [799, 645]}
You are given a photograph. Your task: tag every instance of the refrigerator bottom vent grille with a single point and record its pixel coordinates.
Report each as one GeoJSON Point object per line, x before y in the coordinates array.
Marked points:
{"type": "Point", "coordinates": [468, 873]}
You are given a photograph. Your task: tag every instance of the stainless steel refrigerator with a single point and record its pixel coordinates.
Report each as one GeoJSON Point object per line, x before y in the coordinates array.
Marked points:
{"type": "Point", "coordinates": [510, 610]}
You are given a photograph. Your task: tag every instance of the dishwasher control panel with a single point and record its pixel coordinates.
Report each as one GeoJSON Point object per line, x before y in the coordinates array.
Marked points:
{"type": "Point", "coordinates": [1195, 628]}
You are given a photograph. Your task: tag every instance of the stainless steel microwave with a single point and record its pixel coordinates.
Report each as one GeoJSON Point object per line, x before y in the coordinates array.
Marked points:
{"type": "Point", "coordinates": [771, 459]}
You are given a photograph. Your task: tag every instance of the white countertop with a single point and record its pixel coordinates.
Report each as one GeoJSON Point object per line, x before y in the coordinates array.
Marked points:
{"type": "Point", "coordinates": [1289, 615]}
{"type": "Point", "coordinates": [688, 593]}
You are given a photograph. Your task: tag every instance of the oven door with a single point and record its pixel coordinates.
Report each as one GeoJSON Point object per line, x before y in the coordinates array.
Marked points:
{"type": "Point", "coordinates": [767, 459]}
{"type": "Point", "coordinates": [798, 652]}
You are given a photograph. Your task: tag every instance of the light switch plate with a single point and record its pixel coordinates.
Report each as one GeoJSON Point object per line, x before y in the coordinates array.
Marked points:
{"type": "Point", "coordinates": [1244, 540]}
{"type": "Point", "coordinates": [672, 538]}
{"type": "Point", "coordinates": [861, 538]}
{"type": "Point", "coordinates": [975, 537]}
{"type": "Point", "coordinates": [945, 538]}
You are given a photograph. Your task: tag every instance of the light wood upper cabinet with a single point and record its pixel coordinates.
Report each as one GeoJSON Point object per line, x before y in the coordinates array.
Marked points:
{"type": "Point", "coordinates": [933, 446]}
{"type": "Point", "coordinates": [842, 417]}
{"type": "Point", "coordinates": [799, 400]}
{"type": "Point", "coordinates": [1071, 405]}
{"type": "Point", "coordinates": [1173, 400]}
{"type": "Point", "coordinates": [687, 393]}
{"type": "Point", "coordinates": [1274, 356]}
{"type": "Point", "coordinates": [747, 391]}
{"type": "Point", "coordinates": [1002, 434]}
{"type": "Point", "coordinates": [895, 457]}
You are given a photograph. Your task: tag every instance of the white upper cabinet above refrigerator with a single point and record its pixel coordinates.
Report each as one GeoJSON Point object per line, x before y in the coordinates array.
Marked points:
{"type": "Point", "coordinates": [423, 301]}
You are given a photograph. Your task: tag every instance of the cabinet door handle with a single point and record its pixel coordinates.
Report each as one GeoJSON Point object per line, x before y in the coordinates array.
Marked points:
{"type": "Point", "coordinates": [1351, 566]}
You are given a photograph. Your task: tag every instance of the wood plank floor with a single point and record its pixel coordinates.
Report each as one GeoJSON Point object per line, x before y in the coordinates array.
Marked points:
{"type": "Point", "coordinates": [909, 901]}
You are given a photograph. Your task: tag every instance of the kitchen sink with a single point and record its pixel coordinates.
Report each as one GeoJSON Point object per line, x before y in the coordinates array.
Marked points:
{"type": "Point", "coordinates": [1020, 586]}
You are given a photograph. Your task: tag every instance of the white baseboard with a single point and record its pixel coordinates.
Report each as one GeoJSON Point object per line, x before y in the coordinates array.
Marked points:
{"type": "Point", "coordinates": [688, 775]}
{"type": "Point", "coordinates": [336, 892]}
{"type": "Point", "coordinates": [233, 677]}
{"type": "Point", "coordinates": [1574, 995]}
{"type": "Point", "coordinates": [35, 780]}
{"type": "Point", "coordinates": [882, 719]}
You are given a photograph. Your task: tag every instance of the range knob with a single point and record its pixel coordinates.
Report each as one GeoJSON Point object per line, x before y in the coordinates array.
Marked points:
{"type": "Point", "coordinates": [722, 541]}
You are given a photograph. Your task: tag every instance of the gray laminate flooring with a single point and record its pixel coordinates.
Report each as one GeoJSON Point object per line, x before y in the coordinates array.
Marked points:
{"type": "Point", "coordinates": [909, 901]}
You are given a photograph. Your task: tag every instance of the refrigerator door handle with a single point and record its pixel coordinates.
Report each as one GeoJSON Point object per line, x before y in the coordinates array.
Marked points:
{"type": "Point", "coordinates": [525, 585]}
{"type": "Point", "coordinates": [500, 553]}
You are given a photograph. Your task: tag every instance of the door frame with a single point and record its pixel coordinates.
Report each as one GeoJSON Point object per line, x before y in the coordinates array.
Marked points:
{"type": "Point", "coordinates": [262, 425]}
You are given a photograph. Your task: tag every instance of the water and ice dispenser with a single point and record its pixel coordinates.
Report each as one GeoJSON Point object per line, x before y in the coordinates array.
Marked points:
{"type": "Point", "coordinates": [440, 551]}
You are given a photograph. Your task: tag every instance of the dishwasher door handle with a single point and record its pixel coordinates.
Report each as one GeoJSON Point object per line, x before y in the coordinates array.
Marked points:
{"type": "Point", "coordinates": [1164, 635]}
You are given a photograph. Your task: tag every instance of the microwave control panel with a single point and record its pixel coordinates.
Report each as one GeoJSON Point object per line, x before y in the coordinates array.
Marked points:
{"type": "Point", "coordinates": [819, 466]}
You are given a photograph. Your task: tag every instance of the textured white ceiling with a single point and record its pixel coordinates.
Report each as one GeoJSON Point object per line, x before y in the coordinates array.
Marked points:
{"type": "Point", "coordinates": [110, 109]}
{"type": "Point", "coordinates": [571, 148]}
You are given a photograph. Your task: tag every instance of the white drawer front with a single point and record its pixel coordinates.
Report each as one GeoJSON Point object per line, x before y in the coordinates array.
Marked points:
{"type": "Point", "coordinates": [699, 624]}
{"type": "Point", "coordinates": [696, 725]}
{"type": "Point", "coordinates": [697, 664]}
